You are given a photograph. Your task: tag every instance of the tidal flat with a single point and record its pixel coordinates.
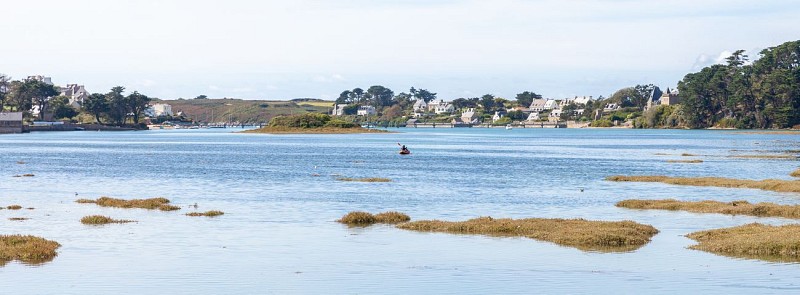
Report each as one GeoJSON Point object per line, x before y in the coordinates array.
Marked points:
{"type": "Point", "coordinates": [279, 233]}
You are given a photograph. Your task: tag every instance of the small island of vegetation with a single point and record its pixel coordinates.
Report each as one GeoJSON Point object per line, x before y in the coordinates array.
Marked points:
{"type": "Point", "coordinates": [753, 241]}
{"type": "Point", "coordinates": [587, 235]}
{"type": "Point", "coordinates": [311, 123]}
{"type": "Point", "coordinates": [28, 249]}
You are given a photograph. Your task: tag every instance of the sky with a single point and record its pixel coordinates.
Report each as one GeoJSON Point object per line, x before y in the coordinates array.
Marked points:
{"type": "Point", "coordinates": [280, 50]}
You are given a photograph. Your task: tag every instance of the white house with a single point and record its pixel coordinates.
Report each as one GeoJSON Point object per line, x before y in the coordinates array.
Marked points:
{"type": "Point", "coordinates": [76, 93]}
{"type": "Point", "coordinates": [537, 105]}
{"type": "Point", "coordinates": [497, 116]}
{"type": "Point", "coordinates": [534, 116]}
{"type": "Point", "coordinates": [158, 110]}
{"type": "Point", "coordinates": [541, 104]}
{"type": "Point", "coordinates": [551, 104]}
{"type": "Point", "coordinates": [366, 111]}
{"type": "Point", "coordinates": [420, 105]}
{"type": "Point", "coordinates": [555, 115]}
{"type": "Point", "coordinates": [444, 108]}
{"type": "Point", "coordinates": [338, 109]}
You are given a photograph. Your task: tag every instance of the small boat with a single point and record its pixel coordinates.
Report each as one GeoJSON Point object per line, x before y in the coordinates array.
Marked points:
{"type": "Point", "coordinates": [405, 152]}
{"type": "Point", "coordinates": [508, 127]}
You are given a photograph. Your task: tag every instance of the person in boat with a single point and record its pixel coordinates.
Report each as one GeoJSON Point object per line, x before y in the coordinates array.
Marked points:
{"type": "Point", "coordinates": [404, 149]}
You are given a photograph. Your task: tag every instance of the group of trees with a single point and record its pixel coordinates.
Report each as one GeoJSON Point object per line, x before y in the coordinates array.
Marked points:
{"type": "Point", "coordinates": [117, 108]}
{"type": "Point", "coordinates": [761, 94]}
{"type": "Point", "coordinates": [391, 106]}
{"type": "Point", "coordinates": [24, 95]}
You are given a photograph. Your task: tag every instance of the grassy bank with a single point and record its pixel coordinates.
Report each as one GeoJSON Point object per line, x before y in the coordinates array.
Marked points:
{"type": "Point", "coordinates": [28, 249]}
{"type": "Point", "coordinates": [606, 236]}
{"type": "Point", "coordinates": [755, 241]}
{"type": "Point", "coordinates": [731, 208]}
{"type": "Point", "coordinates": [776, 185]}
{"type": "Point", "coordinates": [152, 203]}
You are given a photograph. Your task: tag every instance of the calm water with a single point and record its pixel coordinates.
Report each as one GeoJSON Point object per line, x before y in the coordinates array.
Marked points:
{"type": "Point", "coordinates": [278, 234]}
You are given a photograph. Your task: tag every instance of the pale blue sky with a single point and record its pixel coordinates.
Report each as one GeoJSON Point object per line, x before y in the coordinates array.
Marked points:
{"type": "Point", "coordinates": [317, 48]}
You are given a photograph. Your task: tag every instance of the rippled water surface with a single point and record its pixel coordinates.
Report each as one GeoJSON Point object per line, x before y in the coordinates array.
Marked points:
{"type": "Point", "coordinates": [278, 234]}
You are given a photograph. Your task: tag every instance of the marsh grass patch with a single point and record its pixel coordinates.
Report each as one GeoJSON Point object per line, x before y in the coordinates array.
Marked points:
{"type": "Point", "coordinates": [776, 185]}
{"type": "Point", "coordinates": [100, 220]}
{"type": "Point", "coordinates": [795, 173]}
{"type": "Point", "coordinates": [729, 208]}
{"type": "Point", "coordinates": [14, 207]}
{"type": "Point", "coordinates": [27, 249]}
{"type": "Point", "coordinates": [212, 213]}
{"type": "Point", "coordinates": [18, 218]}
{"type": "Point", "coordinates": [361, 218]}
{"type": "Point", "coordinates": [366, 179]}
{"type": "Point", "coordinates": [150, 204]}
{"type": "Point", "coordinates": [587, 235]}
{"type": "Point", "coordinates": [752, 241]}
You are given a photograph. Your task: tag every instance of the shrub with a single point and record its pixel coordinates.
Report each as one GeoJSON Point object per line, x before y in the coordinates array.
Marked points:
{"type": "Point", "coordinates": [337, 123]}
{"type": "Point", "coordinates": [309, 120]}
{"type": "Point", "coordinates": [602, 123]}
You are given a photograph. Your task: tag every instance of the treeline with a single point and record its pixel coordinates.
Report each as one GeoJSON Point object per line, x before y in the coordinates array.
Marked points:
{"type": "Point", "coordinates": [113, 107]}
{"type": "Point", "coordinates": [741, 94]}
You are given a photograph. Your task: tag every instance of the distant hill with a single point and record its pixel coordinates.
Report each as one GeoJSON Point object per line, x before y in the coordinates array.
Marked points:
{"type": "Point", "coordinates": [245, 111]}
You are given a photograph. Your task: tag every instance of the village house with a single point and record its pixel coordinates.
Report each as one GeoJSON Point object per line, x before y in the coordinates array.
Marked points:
{"type": "Point", "coordinates": [366, 111]}
{"type": "Point", "coordinates": [498, 115]}
{"type": "Point", "coordinates": [469, 116]}
{"type": "Point", "coordinates": [533, 116]}
{"type": "Point", "coordinates": [670, 98]}
{"type": "Point", "coordinates": [444, 108]}
{"type": "Point", "coordinates": [540, 104]}
{"type": "Point", "coordinates": [10, 122]}
{"type": "Point", "coordinates": [158, 110]}
{"type": "Point", "coordinates": [76, 93]}
{"type": "Point", "coordinates": [420, 106]}
{"type": "Point", "coordinates": [338, 110]}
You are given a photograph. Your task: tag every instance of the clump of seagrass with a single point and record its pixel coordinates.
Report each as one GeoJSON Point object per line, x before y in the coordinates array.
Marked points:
{"type": "Point", "coordinates": [753, 241]}
{"type": "Point", "coordinates": [366, 179]}
{"type": "Point", "coordinates": [28, 249]}
{"type": "Point", "coordinates": [211, 213]}
{"type": "Point", "coordinates": [731, 208]}
{"type": "Point", "coordinates": [18, 218]}
{"type": "Point", "coordinates": [360, 218]}
{"type": "Point", "coordinates": [777, 185]}
{"type": "Point", "coordinates": [685, 161]}
{"type": "Point", "coordinates": [795, 173]}
{"type": "Point", "coordinates": [100, 220]}
{"type": "Point", "coordinates": [152, 203]}
{"type": "Point", "coordinates": [587, 235]}
{"type": "Point", "coordinates": [14, 207]}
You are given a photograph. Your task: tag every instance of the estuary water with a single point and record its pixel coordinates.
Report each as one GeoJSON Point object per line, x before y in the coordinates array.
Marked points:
{"type": "Point", "coordinates": [281, 199]}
